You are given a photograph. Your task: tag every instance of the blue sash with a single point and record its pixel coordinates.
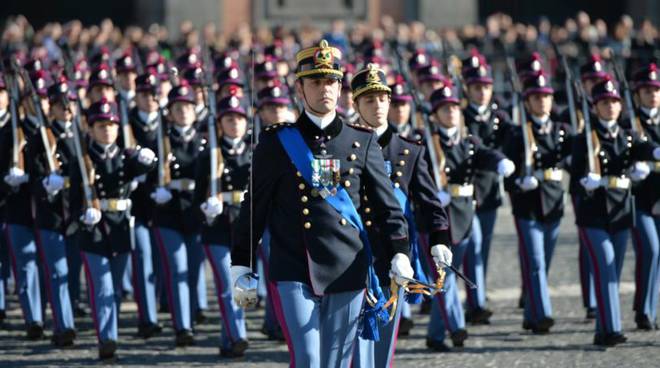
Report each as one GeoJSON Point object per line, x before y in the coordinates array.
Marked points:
{"type": "Point", "coordinates": [301, 156]}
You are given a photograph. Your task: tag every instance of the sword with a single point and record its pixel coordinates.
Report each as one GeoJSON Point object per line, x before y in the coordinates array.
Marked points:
{"type": "Point", "coordinates": [458, 273]}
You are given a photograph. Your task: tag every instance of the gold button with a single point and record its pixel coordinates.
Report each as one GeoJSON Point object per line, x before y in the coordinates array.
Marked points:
{"type": "Point", "coordinates": [298, 174]}
{"type": "Point", "coordinates": [342, 221]}
{"type": "Point", "coordinates": [368, 223]}
{"type": "Point", "coordinates": [396, 185]}
{"type": "Point", "coordinates": [347, 184]}
{"type": "Point", "coordinates": [402, 163]}
{"type": "Point", "coordinates": [305, 211]}
{"type": "Point", "coordinates": [308, 225]}
{"type": "Point", "coordinates": [399, 173]}
{"type": "Point", "coordinates": [301, 186]}
{"type": "Point", "coordinates": [303, 199]}
{"type": "Point", "coordinates": [367, 210]}
{"type": "Point", "coordinates": [352, 157]}
{"type": "Point", "coordinates": [356, 144]}
{"type": "Point", "coordinates": [406, 151]}
{"type": "Point", "coordinates": [365, 198]}
{"type": "Point", "coordinates": [351, 171]}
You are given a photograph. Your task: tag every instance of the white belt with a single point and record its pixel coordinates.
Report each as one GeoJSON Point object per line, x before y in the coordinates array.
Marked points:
{"type": "Point", "coordinates": [616, 182]}
{"type": "Point", "coordinates": [456, 190]}
{"type": "Point", "coordinates": [182, 185]}
{"type": "Point", "coordinates": [550, 174]}
{"type": "Point", "coordinates": [115, 204]}
{"type": "Point", "coordinates": [233, 197]}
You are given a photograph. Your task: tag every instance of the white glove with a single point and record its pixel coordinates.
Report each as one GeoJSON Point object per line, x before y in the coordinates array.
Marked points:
{"type": "Point", "coordinates": [506, 167]}
{"type": "Point", "coordinates": [444, 198]}
{"type": "Point", "coordinates": [161, 195]}
{"type": "Point", "coordinates": [640, 171]}
{"type": "Point", "coordinates": [134, 185]}
{"type": "Point", "coordinates": [591, 182]}
{"type": "Point", "coordinates": [527, 183]}
{"type": "Point", "coordinates": [92, 216]}
{"type": "Point", "coordinates": [244, 286]}
{"type": "Point", "coordinates": [656, 154]}
{"type": "Point", "coordinates": [212, 208]}
{"type": "Point", "coordinates": [146, 156]}
{"type": "Point", "coordinates": [53, 183]}
{"type": "Point", "coordinates": [441, 254]}
{"type": "Point", "coordinates": [400, 267]}
{"type": "Point", "coordinates": [16, 177]}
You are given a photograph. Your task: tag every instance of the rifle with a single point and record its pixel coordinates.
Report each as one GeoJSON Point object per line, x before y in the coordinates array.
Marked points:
{"type": "Point", "coordinates": [568, 86]}
{"type": "Point", "coordinates": [587, 126]}
{"type": "Point", "coordinates": [630, 106]}
{"type": "Point", "coordinates": [520, 109]}
{"type": "Point", "coordinates": [215, 153]}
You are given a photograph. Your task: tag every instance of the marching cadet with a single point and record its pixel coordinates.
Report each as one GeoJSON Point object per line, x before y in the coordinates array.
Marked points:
{"type": "Point", "coordinates": [230, 79]}
{"type": "Point", "coordinates": [485, 120]}
{"type": "Point", "coordinates": [459, 158]}
{"type": "Point", "coordinates": [100, 200]}
{"type": "Point", "coordinates": [101, 84]}
{"type": "Point", "coordinates": [307, 187]}
{"type": "Point", "coordinates": [4, 256]}
{"type": "Point", "coordinates": [220, 210]}
{"type": "Point", "coordinates": [604, 209]}
{"type": "Point", "coordinates": [126, 74]}
{"type": "Point", "coordinates": [265, 73]}
{"type": "Point", "coordinates": [50, 191]}
{"type": "Point", "coordinates": [19, 221]}
{"type": "Point", "coordinates": [145, 121]}
{"type": "Point", "coordinates": [195, 78]}
{"type": "Point", "coordinates": [537, 195]}
{"type": "Point", "coordinates": [400, 112]}
{"type": "Point", "coordinates": [175, 221]}
{"type": "Point", "coordinates": [409, 172]}
{"type": "Point", "coordinates": [346, 109]}
{"type": "Point", "coordinates": [429, 79]}
{"type": "Point", "coordinates": [647, 201]}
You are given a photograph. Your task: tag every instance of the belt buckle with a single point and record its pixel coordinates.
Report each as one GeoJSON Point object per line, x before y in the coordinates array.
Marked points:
{"type": "Point", "coordinates": [657, 166]}
{"type": "Point", "coordinates": [67, 182]}
{"type": "Point", "coordinates": [112, 204]}
{"type": "Point", "coordinates": [454, 190]}
{"type": "Point", "coordinates": [236, 197]}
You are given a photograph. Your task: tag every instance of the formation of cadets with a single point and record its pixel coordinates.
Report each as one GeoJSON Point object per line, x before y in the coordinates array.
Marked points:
{"type": "Point", "coordinates": [356, 185]}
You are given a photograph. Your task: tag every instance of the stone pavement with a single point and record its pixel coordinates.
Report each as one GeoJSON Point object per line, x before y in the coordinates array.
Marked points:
{"type": "Point", "coordinates": [502, 344]}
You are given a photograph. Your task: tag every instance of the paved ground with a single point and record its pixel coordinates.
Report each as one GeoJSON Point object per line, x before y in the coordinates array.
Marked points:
{"type": "Point", "coordinates": [502, 344]}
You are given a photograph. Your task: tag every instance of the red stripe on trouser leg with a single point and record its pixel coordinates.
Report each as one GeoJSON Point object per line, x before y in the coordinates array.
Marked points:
{"type": "Point", "coordinates": [279, 313]}
{"type": "Point", "coordinates": [599, 294]}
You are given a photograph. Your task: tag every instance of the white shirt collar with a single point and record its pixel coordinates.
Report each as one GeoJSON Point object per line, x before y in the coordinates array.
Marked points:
{"type": "Point", "coordinates": [3, 112]}
{"type": "Point", "coordinates": [449, 132]}
{"type": "Point", "coordinates": [183, 130]}
{"type": "Point", "coordinates": [147, 117]}
{"type": "Point", "coordinates": [608, 124]}
{"type": "Point", "coordinates": [66, 124]}
{"type": "Point", "coordinates": [321, 122]}
{"type": "Point", "coordinates": [652, 113]}
{"type": "Point", "coordinates": [540, 120]}
{"type": "Point", "coordinates": [232, 141]}
{"type": "Point", "coordinates": [480, 109]}
{"type": "Point", "coordinates": [381, 129]}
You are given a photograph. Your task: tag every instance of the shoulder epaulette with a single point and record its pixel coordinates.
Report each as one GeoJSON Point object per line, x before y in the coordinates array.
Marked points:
{"type": "Point", "coordinates": [417, 142]}
{"type": "Point", "coordinates": [277, 126]}
{"type": "Point", "coordinates": [362, 127]}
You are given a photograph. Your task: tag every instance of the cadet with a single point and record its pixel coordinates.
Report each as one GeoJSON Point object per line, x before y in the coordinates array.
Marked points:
{"type": "Point", "coordinates": [320, 255]}
{"type": "Point", "coordinates": [400, 112]}
{"type": "Point", "coordinates": [100, 200]}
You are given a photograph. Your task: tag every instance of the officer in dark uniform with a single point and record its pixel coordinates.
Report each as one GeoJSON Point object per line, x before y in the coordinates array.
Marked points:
{"type": "Point", "coordinates": [459, 158]}
{"type": "Point", "coordinates": [537, 195]}
{"type": "Point", "coordinates": [101, 203]}
{"type": "Point", "coordinates": [409, 172]}
{"type": "Point", "coordinates": [220, 210]}
{"type": "Point", "coordinates": [319, 259]}
{"type": "Point", "coordinates": [604, 198]}
{"type": "Point", "coordinates": [485, 120]}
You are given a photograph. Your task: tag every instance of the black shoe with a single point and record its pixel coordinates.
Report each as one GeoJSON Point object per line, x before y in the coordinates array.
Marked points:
{"type": "Point", "coordinates": [458, 337]}
{"type": "Point", "coordinates": [521, 301]}
{"type": "Point", "coordinates": [405, 325]}
{"type": "Point", "coordinates": [437, 346]}
{"type": "Point", "coordinates": [184, 338]}
{"type": "Point", "coordinates": [35, 331]}
{"type": "Point", "coordinates": [610, 339]}
{"type": "Point", "coordinates": [543, 326]}
{"type": "Point", "coordinates": [163, 308]}
{"type": "Point", "coordinates": [3, 315]}
{"type": "Point", "coordinates": [237, 350]}
{"type": "Point", "coordinates": [591, 313]}
{"type": "Point", "coordinates": [274, 335]}
{"type": "Point", "coordinates": [425, 307]}
{"type": "Point", "coordinates": [79, 310]}
{"type": "Point", "coordinates": [64, 339]}
{"type": "Point", "coordinates": [200, 317]}
{"type": "Point", "coordinates": [107, 350]}
{"type": "Point", "coordinates": [146, 331]}
{"type": "Point", "coordinates": [479, 316]}
{"type": "Point", "coordinates": [643, 322]}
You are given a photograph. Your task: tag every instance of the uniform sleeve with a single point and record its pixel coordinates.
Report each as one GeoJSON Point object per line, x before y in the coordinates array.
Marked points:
{"type": "Point", "coordinates": [642, 150]}
{"type": "Point", "coordinates": [513, 150]}
{"type": "Point", "coordinates": [579, 167]}
{"type": "Point", "coordinates": [485, 158]}
{"type": "Point", "coordinates": [134, 167]}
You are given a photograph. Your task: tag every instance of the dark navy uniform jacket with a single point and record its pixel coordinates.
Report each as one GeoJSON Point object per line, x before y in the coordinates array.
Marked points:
{"type": "Point", "coordinates": [145, 133]}
{"type": "Point", "coordinates": [463, 159]}
{"type": "Point", "coordinates": [607, 208]}
{"type": "Point", "coordinates": [310, 242]}
{"type": "Point", "coordinates": [114, 169]}
{"type": "Point", "coordinates": [553, 145]}
{"type": "Point", "coordinates": [491, 128]}
{"type": "Point", "coordinates": [235, 178]}
{"type": "Point", "coordinates": [410, 172]}
{"type": "Point", "coordinates": [53, 213]}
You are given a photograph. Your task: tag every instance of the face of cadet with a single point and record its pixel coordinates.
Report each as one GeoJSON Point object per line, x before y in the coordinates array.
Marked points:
{"type": "Point", "coordinates": [346, 100]}
{"type": "Point", "coordinates": [146, 101]}
{"type": "Point", "coordinates": [58, 111]}
{"type": "Point", "coordinates": [427, 87]}
{"type": "Point", "coordinates": [373, 108]}
{"type": "Point", "coordinates": [649, 97]}
{"type": "Point", "coordinates": [183, 113]}
{"type": "Point", "coordinates": [274, 113]}
{"type": "Point", "coordinates": [199, 94]}
{"type": "Point", "coordinates": [29, 106]}
{"type": "Point", "coordinates": [480, 94]}
{"type": "Point", "coordinates": [4, 99]}
{"type": "Point", "coordinates": [448, 115]}
{"type": "Point", "coordinates": [399, 113]}
{"type": "Point", "coordinates": [126, 81]}
{"type": "Point", "coordinates": [319, 94]}
{"type": "Point", "coordinates": [233, 125]}
{"type": "Point", "coordinates": [608, 109]}
{"type": "Point", "coordinates": [105, 132]}
{"type": "Point", "coordinates": [98, 92]}
{"type": "Point", "coordinates": [539, 104]}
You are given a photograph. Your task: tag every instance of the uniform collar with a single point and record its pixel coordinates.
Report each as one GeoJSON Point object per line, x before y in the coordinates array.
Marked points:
{"type": "Point", "coordinates": [182, 133]}
{"type": "Point", "coordinates": [103, 152]}
{"type": "Point", "coordinates": [314, 132]}
{"type": "Point", "coordinates": [4, 117]}
{"type": "Point", "coordinates": [480, 113]}
{"type": "Point", "coordinates": [651, 113]}
{"type": "Point", "coordinates": [385, 137]}
{"type": "Point", "coordinates": [62, 129]}
{"type": "Point", "coordinates": [234, 146]}
{"type": "Point", "coordinates": [31, 122]}
{"type": "Point", "coordinates": [403, 129]}
{"type": "Point", "coordinates": [147, 118]}
{"type": "Point", "coordinates": [542, 125]}
{"type": "Point", "coordinates": [449, 136]}
{"type": "Point", "coordinates": [321, 122]}
{"type": "Point", "coordinates": [608, 128]}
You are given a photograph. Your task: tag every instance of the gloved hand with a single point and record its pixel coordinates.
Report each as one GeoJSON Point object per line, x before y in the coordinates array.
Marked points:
{"type": "Point", "coordinates": [16, 177]}
{"type": "Point", "coordinates": [506, 167]}
{"type": "Point", "coordinates": [400, 267]}
{"type": "Point", "coordinates": [161, 195]}
{"type": "Point", "coordinates": [244, 286]}
{"type": "Point", "coordinates": [92, 216]}
{"type": "Point", "coordinates": [441, 254]}
{"type": "Point", "coordinates": [527, 183]}
{"type": "Point", "coordinates": [591, 182]}
{"type": "Point", "coordinates": [656, 154]}
{"type": "Point", "coordinates": [640, 171]}
{"type": "Point", "coordinates": [53, 183]}
{"type": "Point", "coordinates": [146, 156]}
{"type": "Point", "coordinates": [212, 207]}
{"type": "Point", "coordinates": [444, 198]}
